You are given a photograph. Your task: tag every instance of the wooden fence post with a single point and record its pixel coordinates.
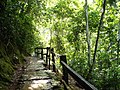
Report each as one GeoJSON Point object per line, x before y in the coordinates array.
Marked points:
{"type": "Point", "coordinates": [42, 53]}
{"type": "Point", "coordinates": [37, 51]}
{"type": "Point", "coordinates": [49, 57]}
{"type": "Point", "coordinates": [53, 59]}
{"type": "Point", "coordinates": [65, 73]}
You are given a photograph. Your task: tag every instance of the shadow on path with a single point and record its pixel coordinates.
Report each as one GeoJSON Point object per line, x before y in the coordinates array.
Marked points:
{"type": "Point", "coordinates": [37, 77]}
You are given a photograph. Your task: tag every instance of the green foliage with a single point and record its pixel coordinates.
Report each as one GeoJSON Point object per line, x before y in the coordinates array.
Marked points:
{"type": "Point", "coordinates": [65, 20]}
{"type": "Point", "coordinates": [69, 37]}
{"type": "Point", "coordinates": [18, 34]}
{"type": "Point", "coordinates": [6, 69]}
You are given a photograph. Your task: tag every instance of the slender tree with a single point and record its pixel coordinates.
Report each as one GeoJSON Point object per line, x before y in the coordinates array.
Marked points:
{"type": "Point", "coordinates": [96, 44]}
{"type": "Point", "coordinates": [87, 33]}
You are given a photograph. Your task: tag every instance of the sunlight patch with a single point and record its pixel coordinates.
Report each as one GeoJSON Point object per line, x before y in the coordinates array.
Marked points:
{"type": "Point", "coordinates": [39, 84]}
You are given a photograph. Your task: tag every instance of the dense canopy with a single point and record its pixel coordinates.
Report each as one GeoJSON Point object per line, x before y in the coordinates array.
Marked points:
{"type": "Point", "coordinates": [88, 32]}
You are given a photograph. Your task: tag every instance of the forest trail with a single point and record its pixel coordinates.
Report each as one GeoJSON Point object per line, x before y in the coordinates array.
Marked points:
{"type": "Point", "coordinates": [37, 77]}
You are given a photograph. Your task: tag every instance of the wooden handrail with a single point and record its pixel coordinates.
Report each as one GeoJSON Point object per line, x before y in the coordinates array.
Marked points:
{"type": "Point", "coordinates": [85, 84]}
{"type": "Point", "coordinates": [66, 69]}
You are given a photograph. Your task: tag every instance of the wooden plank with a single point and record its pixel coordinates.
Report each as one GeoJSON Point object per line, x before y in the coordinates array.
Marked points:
{"type": "Point", "coordinates": [53, 60]}
{"type": "Point", "coordinates": [65, 73]}
{"type": "Point", "coordinates": [85, 84]}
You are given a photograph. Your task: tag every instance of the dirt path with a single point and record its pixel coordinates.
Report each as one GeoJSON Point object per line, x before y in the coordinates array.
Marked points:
{"type": "Point", "coordinates": [37, 77]}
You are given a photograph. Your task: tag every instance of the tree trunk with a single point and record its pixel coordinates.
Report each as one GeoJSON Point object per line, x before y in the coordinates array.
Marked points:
{"type": "Point", "coordinates": [87, 33]}
{"type": "Point", "coordinates": [96, 45]}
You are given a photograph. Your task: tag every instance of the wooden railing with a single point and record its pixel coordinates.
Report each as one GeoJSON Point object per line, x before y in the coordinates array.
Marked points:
{"type": "Point", "coordinates": [50, 56]}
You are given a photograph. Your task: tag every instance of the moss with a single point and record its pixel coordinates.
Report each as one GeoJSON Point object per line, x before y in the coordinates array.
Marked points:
{"type": "Point", "coordinates": [6, 69]}
{"type": "Point", "coordinates": [8, 62]}
{"type": "Point", "coordinates": [3, 85]}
